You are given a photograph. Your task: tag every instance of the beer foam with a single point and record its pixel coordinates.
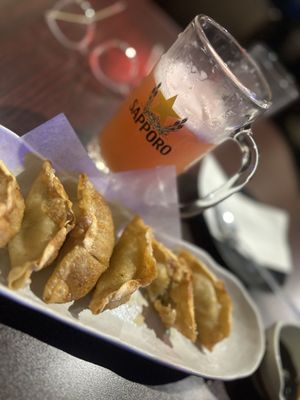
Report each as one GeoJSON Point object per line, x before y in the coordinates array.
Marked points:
{"type": "Point", "coordinates": [200, 100]}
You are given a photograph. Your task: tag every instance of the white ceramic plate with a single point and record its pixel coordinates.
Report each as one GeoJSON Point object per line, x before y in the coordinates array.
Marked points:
{"type": "Point", "coordinates": [235, 357]}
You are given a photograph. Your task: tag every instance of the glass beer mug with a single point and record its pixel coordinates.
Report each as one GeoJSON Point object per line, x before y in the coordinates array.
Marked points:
{"type": "Point", "coordinates": [205, 89]}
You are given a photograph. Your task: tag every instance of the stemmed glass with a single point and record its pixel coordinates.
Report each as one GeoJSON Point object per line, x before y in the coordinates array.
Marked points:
{"type": "Point", "coordinates": [73, 23]}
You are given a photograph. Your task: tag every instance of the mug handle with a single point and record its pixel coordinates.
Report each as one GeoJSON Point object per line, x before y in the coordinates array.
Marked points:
{"type": "Point", "coordinates": [250, 158]}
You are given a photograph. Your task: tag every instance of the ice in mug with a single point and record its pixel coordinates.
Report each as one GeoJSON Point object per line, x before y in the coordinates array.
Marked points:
{"type": "Point", "coordinates": [176, 124]}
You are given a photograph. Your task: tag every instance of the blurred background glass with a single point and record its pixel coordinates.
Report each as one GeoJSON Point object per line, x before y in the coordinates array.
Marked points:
{"type": "Point", "coordinates": [282, 84]}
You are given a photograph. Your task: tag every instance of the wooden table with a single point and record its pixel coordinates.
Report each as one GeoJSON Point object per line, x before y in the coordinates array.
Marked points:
{"type": "Point", "coordinates": [40, 78]}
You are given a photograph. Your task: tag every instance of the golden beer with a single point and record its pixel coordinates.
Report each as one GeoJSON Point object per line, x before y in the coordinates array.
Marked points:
{"type": "Point", "coordinates": [130, 141]}
{"type": "Point", "coordinates": [204, 90]}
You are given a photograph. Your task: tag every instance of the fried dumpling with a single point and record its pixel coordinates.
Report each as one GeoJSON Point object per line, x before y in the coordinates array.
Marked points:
{"type": "Point", "coordinates": [11, 206]}
{"type": "Point", "coordinates": [171, 293]}
{"type": "Point", "coordinates": [88, 248]}
{"type": "Point", "coordinates": [47, 219]}
{"type": "Point", "coordinates": [213, 306]}
{"type": "Point", "coordinates": [132, 266]}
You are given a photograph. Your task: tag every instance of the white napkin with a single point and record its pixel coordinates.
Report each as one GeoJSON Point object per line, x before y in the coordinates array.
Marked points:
{"type": "Point", "coordinates": [261, 230]}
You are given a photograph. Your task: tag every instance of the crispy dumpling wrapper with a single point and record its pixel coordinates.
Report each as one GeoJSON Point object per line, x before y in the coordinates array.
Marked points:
{"type": "Point", "coordinates": [171, 293]}
{"type": "Point", "coordinates": [132, 266]}
{"type": "Point", "coordinates": [88, 248]}
{"type": "Point", "coordinates": [213, 307]}
{"type": "Point", "coordinates": [47, 219]}
{"type": "Point", "coordinates": [11, 206]}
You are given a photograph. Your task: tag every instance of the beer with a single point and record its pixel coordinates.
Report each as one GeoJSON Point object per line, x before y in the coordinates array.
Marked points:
{"type": "Point", "coordinates": [204, 90]}
{"type": "Point", "coordinates": [132, 141]}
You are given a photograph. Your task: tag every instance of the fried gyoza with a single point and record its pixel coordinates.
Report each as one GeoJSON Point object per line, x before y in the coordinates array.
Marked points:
{"type": "Point", "coordinates": [47, 220]}
{"type": "Point", "coordinates": [88, 248]}
{"type": "Point", "coordinates": [172, 292]}
{"type": "Point", "coordinates": [11, 206]}
{"type": "Point", "coordinates": [132, 266]}
{"type": "Point", "coordinates": [212, 303]}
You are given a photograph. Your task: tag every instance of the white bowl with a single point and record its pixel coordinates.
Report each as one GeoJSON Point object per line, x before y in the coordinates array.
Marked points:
{"type": "Point", "coordinates": [271, 371]}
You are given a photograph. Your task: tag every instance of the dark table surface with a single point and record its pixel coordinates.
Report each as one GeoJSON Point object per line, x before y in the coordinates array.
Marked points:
{"type": "Point", "coordinates": [39, 357]}
{"type": "Point", "coordinates": [41, 78]}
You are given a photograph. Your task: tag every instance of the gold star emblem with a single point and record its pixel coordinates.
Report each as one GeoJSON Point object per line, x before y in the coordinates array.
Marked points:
{"type": "Point", "coordinates": [165, 108]}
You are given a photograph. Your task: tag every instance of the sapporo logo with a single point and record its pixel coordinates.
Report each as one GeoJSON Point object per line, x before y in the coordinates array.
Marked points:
{"type": "Point", "coordinates": [152, 118]}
